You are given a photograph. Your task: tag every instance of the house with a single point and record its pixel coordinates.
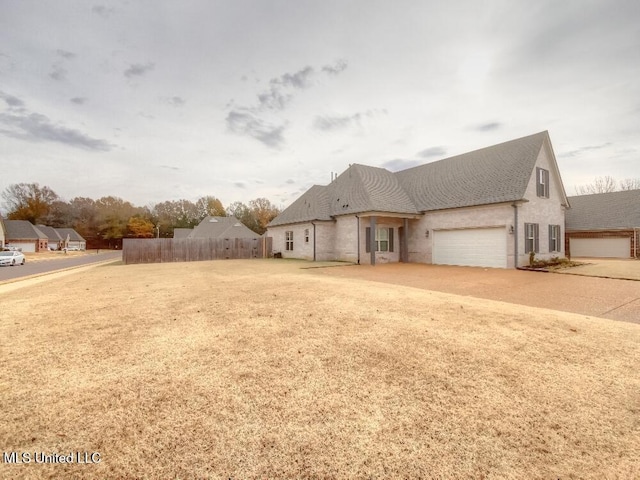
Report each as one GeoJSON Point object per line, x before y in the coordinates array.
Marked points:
{"type": "Point", "coordinates": [182, 232]}
{"type": "Point", "coordinates": [54, 238]}
{"type": "Point", "coordinates": [71, 239]}
{"type": "Point", "coordinates": [604, 225]}
{"type": "Point", "coordinates": [24, 235]}
{"type": "Point", "coordinates": [218, 227]}
{"type": "Point", "coordinates": [488, 208]}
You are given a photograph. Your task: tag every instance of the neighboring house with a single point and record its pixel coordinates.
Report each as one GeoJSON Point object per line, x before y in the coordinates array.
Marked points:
{"type": "Point", "coordinates": [181, 232]}
{"type": "Point", "coordinates": [54, 238]}
{"type": "Point", "coordinates": [24, 235]}
{"type": "Point", "coordinates": [489, 208]}
{"type": "Point", "coordinates": [71, 238]}
{"type": "Point", "coordinates": [220, 227]}
{"type": "Point", "coordinates": [604, 225]}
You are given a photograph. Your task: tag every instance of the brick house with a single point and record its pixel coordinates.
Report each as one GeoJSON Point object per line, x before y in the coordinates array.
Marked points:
{"type": "Point", "coordinates": [488, 208]}
{"type": "Point", "coordinates": [604, 225]}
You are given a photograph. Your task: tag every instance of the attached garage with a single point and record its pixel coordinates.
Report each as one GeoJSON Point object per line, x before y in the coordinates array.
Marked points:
{"type": "Point", "coordinates": [24, 246]}
{"type": "Point", "coordinates": [473, 247]}
{"type": "Point", "coordinates": [610, 247]}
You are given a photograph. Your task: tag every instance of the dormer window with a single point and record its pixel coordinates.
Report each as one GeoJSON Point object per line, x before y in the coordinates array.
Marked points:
{"type": "Point", "coordinates": [543, 182]}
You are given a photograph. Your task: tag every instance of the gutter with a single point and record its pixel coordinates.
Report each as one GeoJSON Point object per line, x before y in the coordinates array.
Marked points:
{"type": "Point", "coordinates": [358, 236]}
{"type": "Point", "coordinates": [515, 233]}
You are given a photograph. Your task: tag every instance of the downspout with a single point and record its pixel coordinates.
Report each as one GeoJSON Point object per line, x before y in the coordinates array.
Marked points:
{"type": "Point", "coordinates": [515, 233]}
{"type": "Point", "coordinates": [314, 241]}
{"type": "Point", "coordinates": [358, 236]}
{"type": "Point", "coordinates": [635, 243]}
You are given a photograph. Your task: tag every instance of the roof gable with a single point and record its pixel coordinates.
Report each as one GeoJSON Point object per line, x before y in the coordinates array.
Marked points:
{"type": "Point", "coordinates": [73, 235]}
{"type": "Point", "coordinates": [50, 232]}
{"type": "Point", "coordinates": [222, 227]}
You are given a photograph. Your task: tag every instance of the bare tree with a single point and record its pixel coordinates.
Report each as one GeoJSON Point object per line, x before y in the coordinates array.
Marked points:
{"type": "Point", "coordinates": [599, 185]}
{"type": "Point", "coordinates": [630, 184]}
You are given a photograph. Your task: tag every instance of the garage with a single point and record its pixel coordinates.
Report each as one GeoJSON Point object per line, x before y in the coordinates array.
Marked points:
{"type": "Point", "coordinates": [24, 246]}
{"type": "Point", "coordinates": [611, 247]}
{"type": "Point", "coordinates": [473, 247]}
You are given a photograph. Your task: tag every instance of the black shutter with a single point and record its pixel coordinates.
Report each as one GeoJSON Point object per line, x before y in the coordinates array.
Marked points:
{"type": "Point", "coordinates": [368, 240]}
{"type": "Point", "coordinates": [391, 239]}
{"type": "Point", "coordinates": [537, 237]}
{"type": "Point", "coordinates": [538, 184]}
{"type": "Point", "coordinates": [547, 187]}
{"type": "Point", "coordinates": [551, 245]}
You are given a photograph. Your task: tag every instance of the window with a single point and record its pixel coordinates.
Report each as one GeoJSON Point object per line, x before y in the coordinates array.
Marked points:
{"type": "Point", "coordinates": [554, 238]}
{"type": "Point", "coordinates": [543, 182]}
{"type": "Point", "coordinates": [531, 243]}
{"type": "Point", "coordinates": [306, 235]}
{"type": "Point", "coordinates": [288, 240]}
{"type": "Point", "coordinates": [383, 239]}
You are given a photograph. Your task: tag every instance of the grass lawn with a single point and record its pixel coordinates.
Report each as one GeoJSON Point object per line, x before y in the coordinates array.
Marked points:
{"type": "Point", "coordinates": [260, 369]}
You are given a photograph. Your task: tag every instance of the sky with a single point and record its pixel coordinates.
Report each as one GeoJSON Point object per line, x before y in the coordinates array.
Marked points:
{"type": "Point", "coordinates": [154, 100]}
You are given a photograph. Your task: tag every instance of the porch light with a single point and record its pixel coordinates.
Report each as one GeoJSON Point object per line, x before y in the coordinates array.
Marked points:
{"type": "Point", "coordinates": [511, 229]}
{"type": "Point", "coordinates": [426, 233]}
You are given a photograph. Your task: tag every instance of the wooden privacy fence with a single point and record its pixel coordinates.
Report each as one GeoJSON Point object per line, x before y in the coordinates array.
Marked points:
{"type": "Point", "coordinates": [157, 250]}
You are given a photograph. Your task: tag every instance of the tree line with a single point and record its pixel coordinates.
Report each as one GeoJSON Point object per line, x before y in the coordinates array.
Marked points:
{"type": "Point", "coordinates": [114, 218]}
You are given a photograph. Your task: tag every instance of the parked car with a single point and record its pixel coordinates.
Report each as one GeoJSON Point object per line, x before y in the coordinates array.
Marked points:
{"type": "Point", "coordinates": [11, 258]}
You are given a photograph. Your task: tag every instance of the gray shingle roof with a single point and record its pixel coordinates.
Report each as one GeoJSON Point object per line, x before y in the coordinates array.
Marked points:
{"type": "Point", "coordinates": [495, 174]}
{"type": "Point", "coordinates": [22, 230]}
{"type": "Point", "coordinates": [222, 227]}
{"type": "Point", "coordinates": [73, 235]}
{"type": "Point", "coordinates": [604, 211]}
{"type": "Point", "coordinates": [50, 232]}
{"type": "Point", "coordinates": [181, 232]}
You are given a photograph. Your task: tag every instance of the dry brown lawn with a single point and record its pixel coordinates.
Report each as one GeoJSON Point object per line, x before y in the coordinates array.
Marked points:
{"type": "Point", "coordinates": [261, 369]}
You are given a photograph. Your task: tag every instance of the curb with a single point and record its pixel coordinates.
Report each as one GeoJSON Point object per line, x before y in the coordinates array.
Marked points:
{"type": "Point", "coordinates": [38, 275]}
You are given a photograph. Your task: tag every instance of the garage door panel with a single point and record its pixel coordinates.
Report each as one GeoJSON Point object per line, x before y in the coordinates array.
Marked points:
{"type": "Point", "coordinates": [477, 247]}
{"type": "Point", "coordinates": [612, 247]}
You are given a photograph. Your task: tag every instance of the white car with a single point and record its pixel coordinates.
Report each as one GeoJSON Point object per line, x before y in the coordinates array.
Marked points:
{"type": "Point", "coordinates": [11, 258]}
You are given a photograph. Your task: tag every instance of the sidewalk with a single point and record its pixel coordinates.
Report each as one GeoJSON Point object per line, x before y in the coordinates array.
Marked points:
{"type": "Point", "coordinates": [624, 269]}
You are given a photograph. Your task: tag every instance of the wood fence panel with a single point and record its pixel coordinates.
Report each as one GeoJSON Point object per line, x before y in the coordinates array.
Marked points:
{"type": "Point", "coordinates": [158, 250]}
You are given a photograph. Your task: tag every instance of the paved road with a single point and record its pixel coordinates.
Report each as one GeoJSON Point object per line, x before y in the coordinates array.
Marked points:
{"type": "Point", "coordinates": [38, 267]}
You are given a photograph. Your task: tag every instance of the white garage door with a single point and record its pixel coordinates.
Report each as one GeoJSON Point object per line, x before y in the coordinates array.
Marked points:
{"type": "Point", "coordinates": [616, 247]}
{"type": "Point", "coordinates": [474, 247]}
{"type": "Point", "coordinates": [25, 246]}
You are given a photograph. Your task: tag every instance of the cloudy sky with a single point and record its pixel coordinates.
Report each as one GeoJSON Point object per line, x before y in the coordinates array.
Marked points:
{"type": "Point", "coordinates": [154, 100]}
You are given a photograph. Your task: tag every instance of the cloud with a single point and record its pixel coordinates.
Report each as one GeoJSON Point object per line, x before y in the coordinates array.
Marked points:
{"type": "Point", "coordinates": [169, 167]}
{"type": "Point", "coordinates": [13, 102]}
{"type": "Point", "coordinates": [59, 72]}
{"type": "Point", "coordinates": [38, 127]}
{"type": "Point", "coordinates": [247, 123]}
{"type": "Point", "coordinates": [78, 100]}
{"type": "Point", "coordinates": [488, 127]}
{"type": "Point", "coordinates": [432, 152]}
{"type": "Point", "coordinates": [400, 164]}
{"type": "Point", "coordinates": [174, 101]}
{"type": "Point", "coordinates": [338, 122]}
{"type": "Point", "coordinates": [138, 69]}
{"type": "Point", "coordinates": [103, 11]}
{"type": "Point", "coordinates": [66, 54]}
{"type": "Point", "coordinates": [240, 184]}
{"type": "Point", "coordinates": [581, 150]}
{"type": "Point", "coordinates": [290, 181]}
{"type": "Point", "coordinates": [250, 119]}
{"type": "Point", "coordinates": [335, 69]}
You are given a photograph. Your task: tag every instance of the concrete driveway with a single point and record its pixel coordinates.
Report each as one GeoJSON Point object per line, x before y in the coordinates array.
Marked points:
{"type": "Point", "coordinates": [626, 269]}
{"type": "Point", "coordinates": [598, 297]}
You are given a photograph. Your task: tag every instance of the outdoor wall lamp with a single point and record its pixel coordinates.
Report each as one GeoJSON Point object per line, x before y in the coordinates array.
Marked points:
{"type": "Point", "coordinates": [426, 233]}
{"type": "Point", "coordinates": [511, 229]}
